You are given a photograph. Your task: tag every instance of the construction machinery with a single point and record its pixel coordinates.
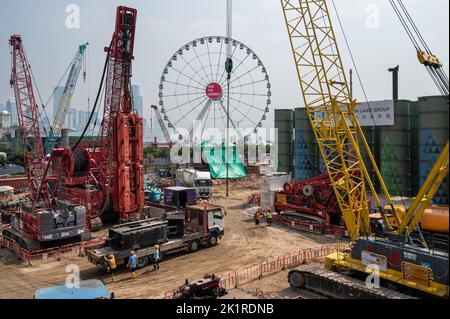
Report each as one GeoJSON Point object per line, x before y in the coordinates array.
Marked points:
{"type": "Point", "coordinates": [66, 98]}
{"type": "Point", "coordinates": [162, 125]}
{"type": "Point", "coordinates": [206, 288]}
{"type": "Point", "coordinates": [186, 229]}
{"type": "Point", "coordinates": [388, 251]}
{"type": "Point", "coordinates": [310, 200]}
{"type": "Point", "coordinates": [432, 63]}
{"type": "Point", "coordinates": [108, 175]}
{"type": "Point", "coordinates": [45, 220]}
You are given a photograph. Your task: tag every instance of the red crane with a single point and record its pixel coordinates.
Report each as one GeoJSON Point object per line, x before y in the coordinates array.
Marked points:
{"type": "Point", "coordinates": [162, 125]}
{"type": "Point", "coordinates": [28, 114]}
{"type": "Point", "coordinates": [124, 151]}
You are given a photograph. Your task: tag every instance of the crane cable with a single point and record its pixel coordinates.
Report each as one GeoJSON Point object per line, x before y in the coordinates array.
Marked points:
{"type": "Point", "coordinates": [388, 159]}
{"type": "Point", "coordinates": [437, 74]}
{"type": "Point", "coordinates": [105, 67]}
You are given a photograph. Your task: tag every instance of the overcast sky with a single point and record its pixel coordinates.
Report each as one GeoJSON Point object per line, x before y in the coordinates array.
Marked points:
{"type": "Point", "coordinates": [166, 25]}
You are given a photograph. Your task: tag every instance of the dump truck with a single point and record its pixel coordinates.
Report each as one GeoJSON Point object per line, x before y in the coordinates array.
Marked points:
{"type": "Point", "coordinates": [196, 226]}
{"type": "Point", "coordinates": [201, 181]}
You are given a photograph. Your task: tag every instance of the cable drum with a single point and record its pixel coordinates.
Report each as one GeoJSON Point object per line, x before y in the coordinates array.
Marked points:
{"type": "Point", "coordinates": [81, 162]}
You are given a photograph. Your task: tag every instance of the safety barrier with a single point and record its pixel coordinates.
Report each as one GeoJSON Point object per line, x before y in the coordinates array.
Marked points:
{"type": "Point", "coordinates": [56, 253]}
{"type": "Point", "coordinates": [257, 271]}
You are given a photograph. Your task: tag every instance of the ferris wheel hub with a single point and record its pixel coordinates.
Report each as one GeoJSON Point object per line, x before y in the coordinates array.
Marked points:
{"type": "Point", "coordinates": [214, 91]}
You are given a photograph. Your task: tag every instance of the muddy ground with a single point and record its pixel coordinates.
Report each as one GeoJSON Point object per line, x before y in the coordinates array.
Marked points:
{"type": "Point", "coordinates": [243, 245]}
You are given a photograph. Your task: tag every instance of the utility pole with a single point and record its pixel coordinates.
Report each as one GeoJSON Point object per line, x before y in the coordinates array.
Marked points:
{"type": "Point", "coordinates": [395, 72]}
{"type": "Point", "coordinates": [228, 69]}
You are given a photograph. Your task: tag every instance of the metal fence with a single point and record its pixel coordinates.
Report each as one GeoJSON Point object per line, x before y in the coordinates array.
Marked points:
{"type": "Point", "coordinates": [57, 253]}
{"type": "Point", "coordinates": [257, 271]}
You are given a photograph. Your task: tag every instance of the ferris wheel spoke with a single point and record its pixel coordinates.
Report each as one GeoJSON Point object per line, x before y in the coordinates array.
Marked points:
{"type": "Point", "coordinates": [186, 103]}
{"type": "Point", "coordinates": [250, 94]}
{"type": "Point", "coordinates": [201, 65]}
{"type": "Point", "coordinates": [197, 87]}
{"type": "Point", "coordinates": [242, 75]}
{"type": "Point", "coordinates": [206, 118]}
{"type": "Point", "coordinates": [235, 69]}
{"type": "Point", "coordinates": [249, 105]}
{"type": "Point", "coordinates": [224, 71]}
{"type": "Point", "coordinates": [195, 72]}
{"type": "Point", "coordinates": [200, 117]}
{"type": "Point", "coordinates": [187, 76]}
{"type": "Point", "coordinates": [184, 85]}
{"type": "Point", "coordinates": [184, 115]}
{"type": "Point", "coordinates": [210, 63]}
{"type": "Point", "coordinates": [218, 63]}
{"type": "Point", "coordinates": [227, 115]}
{"type": "Point", "coordinates": [247, 84]}
{"type": "Point", "coordinates": [244, 115]}
{"type": "Point", "coordinates": [184, 94]}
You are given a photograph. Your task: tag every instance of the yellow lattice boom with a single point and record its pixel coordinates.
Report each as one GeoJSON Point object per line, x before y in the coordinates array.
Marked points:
{"type": "Point", "coordinates": [331, 110]}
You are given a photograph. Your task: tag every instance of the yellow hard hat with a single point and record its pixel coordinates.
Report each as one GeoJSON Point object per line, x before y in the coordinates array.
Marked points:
{"type": "Point", "coordinates": [156, 246]}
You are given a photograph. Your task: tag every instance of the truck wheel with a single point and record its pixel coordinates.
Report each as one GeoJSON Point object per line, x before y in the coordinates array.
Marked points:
{"type": "Point", "coordinates": [194, 246]}
{"type": "Point", "coordinates": [142, 262]}
{"type": "Point", "coordinates": [212, 240]}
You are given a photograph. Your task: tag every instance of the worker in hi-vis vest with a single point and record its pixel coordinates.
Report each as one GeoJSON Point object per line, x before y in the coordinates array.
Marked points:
{"type": "Point", "coordinates": [111, 265]}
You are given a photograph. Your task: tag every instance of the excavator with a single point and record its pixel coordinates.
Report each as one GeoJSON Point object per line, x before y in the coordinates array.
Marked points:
{"type": "Point", "coordinates": [394, 251]}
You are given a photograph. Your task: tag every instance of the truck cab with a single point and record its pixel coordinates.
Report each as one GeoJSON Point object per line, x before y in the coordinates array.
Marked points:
{"type": "Point", "coordinates": [200, 180]}
{"type": "Point", "coordinates": [203, 184]}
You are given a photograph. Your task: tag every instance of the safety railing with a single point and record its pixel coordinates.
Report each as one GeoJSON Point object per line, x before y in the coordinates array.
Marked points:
{"type": "Point", "coordinates": [56, 253]}
{"type": "Point", "coordinates": [251, 273]}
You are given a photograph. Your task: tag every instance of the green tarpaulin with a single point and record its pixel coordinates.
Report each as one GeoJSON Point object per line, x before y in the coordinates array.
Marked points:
{"type": "Point", "coordinates": [217, 162]}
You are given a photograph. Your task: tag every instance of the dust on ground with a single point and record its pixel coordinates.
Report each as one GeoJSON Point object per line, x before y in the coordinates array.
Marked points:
{"type": "Point", "coordinates": [244, 244]}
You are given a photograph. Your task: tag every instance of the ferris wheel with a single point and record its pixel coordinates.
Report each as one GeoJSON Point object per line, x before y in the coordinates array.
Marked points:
{"type": "Point", "coordinates": [193, 88]}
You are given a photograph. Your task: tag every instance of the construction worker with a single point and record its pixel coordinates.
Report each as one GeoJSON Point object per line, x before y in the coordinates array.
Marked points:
{"type": "Point", "coordinates": [156, 257]}
{"type": "Point", "coordinates": [269, 217]}
{"type": "Point", "coordinates": [257, 216]}
{"type": "Point", "coordinates": [132, 264]}
{"type": "Point", "coordinates": [111, 265]}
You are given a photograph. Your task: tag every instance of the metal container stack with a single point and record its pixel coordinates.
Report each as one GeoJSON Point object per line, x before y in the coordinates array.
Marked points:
{"type": "Point", "coordinates": [306, 152]}
{"type": "Point", "coordinates": [433, 125]}
{"type": "Point", "coordinates": [284, 122]}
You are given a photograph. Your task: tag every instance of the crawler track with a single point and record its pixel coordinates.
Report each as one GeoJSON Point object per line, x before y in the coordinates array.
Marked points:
{"type": "Point", "coordinates": [336, 285]}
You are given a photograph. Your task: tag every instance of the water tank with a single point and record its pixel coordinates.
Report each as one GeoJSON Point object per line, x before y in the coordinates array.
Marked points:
{"type": "Point", "coordinates": [433, 136]}
{"type": "Point", "coordinates": [395, 153]}
{"type": "Point", "coordinates": [306, 151]}
{"type": "Point", "coordinates": [284, 122]}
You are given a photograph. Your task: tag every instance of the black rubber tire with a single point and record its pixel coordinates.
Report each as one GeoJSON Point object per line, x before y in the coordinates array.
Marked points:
{"type": "Point", "coordinates": [212, 240]}
{"type": "Point", "coordinates": [141, 262]}
{"type": "Point", "coordinates": [296, 279]}
{"type": "Point", "coordinates": [194, 246]}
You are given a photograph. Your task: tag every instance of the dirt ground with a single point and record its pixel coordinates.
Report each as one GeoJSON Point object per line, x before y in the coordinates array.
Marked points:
{"type": "Point", "coordinates": [243, 245]}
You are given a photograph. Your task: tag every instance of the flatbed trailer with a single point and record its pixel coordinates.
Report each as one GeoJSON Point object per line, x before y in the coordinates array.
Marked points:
{"type": "Point", "coordinates": [203, 226]}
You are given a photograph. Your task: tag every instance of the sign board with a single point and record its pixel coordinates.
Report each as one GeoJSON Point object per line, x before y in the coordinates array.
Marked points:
{"type": "Point", "coordinates": [418, 274]}
{"type": "Point", "coordinates": [376, 113]}
{"type": "Point", "coordinates": [371, 259]}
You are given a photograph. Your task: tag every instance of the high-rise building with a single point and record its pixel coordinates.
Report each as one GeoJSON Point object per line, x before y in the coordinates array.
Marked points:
{"type": "Point", "coordinates": [83, 118]}
{"type": "Point", "coordinates": [12, 109]}
{"type": "Point", "coordinates": [138, 100]}
{"type": "Point", "coordinates": [73, 120]}
{"type": "Point", "coordinates": [5, 119]}
{"type": "Point", "coordinates": [57, 94]}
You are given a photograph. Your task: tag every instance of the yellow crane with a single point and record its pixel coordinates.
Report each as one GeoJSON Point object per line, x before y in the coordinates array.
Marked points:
{"type": "Point", "coordinates": [331, 111]}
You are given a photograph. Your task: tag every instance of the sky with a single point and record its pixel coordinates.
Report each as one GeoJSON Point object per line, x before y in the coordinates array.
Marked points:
{"type": "Point", "coordinates": [375, 35]}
